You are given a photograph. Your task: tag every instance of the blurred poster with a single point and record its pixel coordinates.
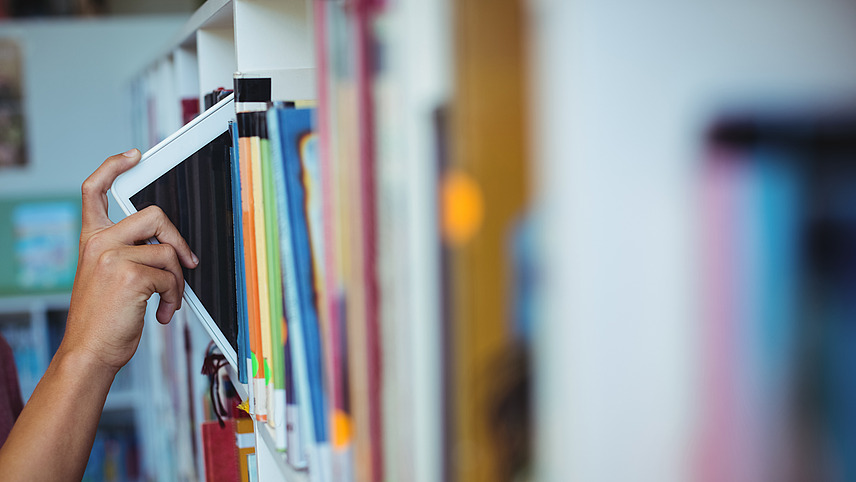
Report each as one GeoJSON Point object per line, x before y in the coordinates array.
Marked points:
{"type": "Point", "coordinates": [45, 244]}
{"type": "Point", "coordinates": [13, 150]}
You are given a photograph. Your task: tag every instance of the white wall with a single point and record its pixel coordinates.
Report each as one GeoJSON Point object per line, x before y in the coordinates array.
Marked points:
{"type": "Point", "coordinates": [77, 94]}
{"type": "Point", "coordinates": [623, 94]}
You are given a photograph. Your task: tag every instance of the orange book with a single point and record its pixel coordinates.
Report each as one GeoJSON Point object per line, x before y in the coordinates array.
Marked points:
{"type": "Point", "coordinates": [485, 198]}
{"type": "Point", "coordinates": [246, 448]}
{"type": "Point", "coordinates": [248, 215]}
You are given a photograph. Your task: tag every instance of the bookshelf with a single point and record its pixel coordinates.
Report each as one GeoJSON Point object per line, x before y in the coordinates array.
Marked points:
{"type": "Point", "coordinates": [262, 38]}
{"type": "Point", "coordinates": [391, 105]}
{"type": "Point", "coordinates": [34, 325]}
{"type": "Point", "coordinates": [610, 168]}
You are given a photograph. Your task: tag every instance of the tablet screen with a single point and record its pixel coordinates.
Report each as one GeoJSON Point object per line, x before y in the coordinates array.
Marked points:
{"type": "Point", "coordinates": [196, 195]}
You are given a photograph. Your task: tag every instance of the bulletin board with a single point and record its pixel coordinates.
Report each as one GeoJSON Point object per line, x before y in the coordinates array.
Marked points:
{"type": "Point", "coordinates": [38, 245]}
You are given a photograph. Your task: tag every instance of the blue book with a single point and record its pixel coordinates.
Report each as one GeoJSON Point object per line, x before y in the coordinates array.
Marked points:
{"type": "Point", "coordinates": [293, 141]}
{"type": "Point", "coordinates": [240, 284]}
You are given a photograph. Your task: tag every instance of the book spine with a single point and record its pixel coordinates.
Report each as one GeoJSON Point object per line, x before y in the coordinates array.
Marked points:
{"type": "Point", "coordinates": [240, 278]}
{"type": "Point", "coordinates": [252, 95]}
{"type": "Point", "coordinates": [276, 382]}
{"type": "Point", "coordinates": [296, 129]}
{"type": "Point", "coordinates": [362, 17]}
{"type": "Point", "coordinates": [251, 278]}
{"type": "Point", "coordinates": [261, 267]}
{"type": "Point", "coordinates": [293, 340]}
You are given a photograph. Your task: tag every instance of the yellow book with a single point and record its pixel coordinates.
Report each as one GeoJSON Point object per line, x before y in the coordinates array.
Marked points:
{"type": "Point", "coordinates": [245, 440]}
{"type": "Point", "coordinates": [262, 397]}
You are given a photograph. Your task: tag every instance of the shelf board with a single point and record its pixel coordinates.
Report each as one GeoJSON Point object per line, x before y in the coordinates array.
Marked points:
{"type": "Point", "coordinates": [121, 400]}
{"type": "Point", "coordinates": [287, 472]}
{"type": "Point", "coordinates": [27, 303]}
{"type": "Point", "coordinates": [288, 84]}
{"type": "Point", "coordinates": [213, 14]}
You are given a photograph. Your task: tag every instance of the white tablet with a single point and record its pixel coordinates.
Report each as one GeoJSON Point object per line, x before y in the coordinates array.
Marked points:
{"type": "Point", "coordinates": [188, 176]}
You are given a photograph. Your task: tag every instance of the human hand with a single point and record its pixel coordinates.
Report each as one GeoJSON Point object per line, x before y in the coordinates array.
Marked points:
{"type": "Point", "coordinates": [117, 272]}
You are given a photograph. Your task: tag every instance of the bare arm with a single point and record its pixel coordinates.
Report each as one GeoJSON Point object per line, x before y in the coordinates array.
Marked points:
{"type": "Point", "coordinates": [115, 277]}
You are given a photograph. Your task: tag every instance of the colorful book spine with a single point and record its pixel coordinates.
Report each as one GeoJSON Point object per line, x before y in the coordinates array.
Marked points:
{"type": "Point", "coordinates": [362, 20]}
{"type": "Point", "coordinates": [261, 266]}
{"type": "Point", "coordinates": [252, 95]}
{"type": "Point", "coordinates": [251, 276]}
{"type": "Point", "coordinates": [298, 145]}
{"type": "Point", "coordinates": [294, 440]}
{"type": "Point", "coordinates": [299, 411]}
{"type": "Point", "coordinates": [276, 367]}
{"type": "Point", "coordinates": [240, 278]}
{"type": "Point", "coordinates": [333, 301]}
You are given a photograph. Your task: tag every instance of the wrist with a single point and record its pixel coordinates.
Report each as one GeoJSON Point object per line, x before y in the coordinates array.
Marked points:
{"type": "Point", "coordinates": [82, 361]}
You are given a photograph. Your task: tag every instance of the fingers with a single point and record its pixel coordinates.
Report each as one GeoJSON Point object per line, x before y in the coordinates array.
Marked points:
{"type": "Point", "coordinates": [166, 285]}
{"type": "Point", "coordinates": [145, 269]}
{"type": "Point", "coordinates": [151, 222]}
{"type": "Point", "coordinates": [159, 256]}
{"type": "Point", "coordinates": [95, 187]}
{"type": "Point", "coordinates": [147, 280]}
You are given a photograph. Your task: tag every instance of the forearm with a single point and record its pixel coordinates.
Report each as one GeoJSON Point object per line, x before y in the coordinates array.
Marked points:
{"type": "Point", "coordinates": [116, 275]}
{"type": "Point", "coordinates": [53, 436]}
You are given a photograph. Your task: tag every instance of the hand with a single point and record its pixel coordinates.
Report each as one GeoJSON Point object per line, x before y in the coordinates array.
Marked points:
{"type": "Point", "coordinates": [117, 273]}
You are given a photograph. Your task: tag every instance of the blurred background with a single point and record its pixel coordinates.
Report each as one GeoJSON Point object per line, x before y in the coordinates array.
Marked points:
{"type": "Point", "coordinates": [617, 241]}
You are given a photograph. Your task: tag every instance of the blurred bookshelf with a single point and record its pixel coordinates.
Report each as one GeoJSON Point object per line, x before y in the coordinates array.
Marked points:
{"type": "Point", "coordinates": [525, 272]}
{"type": "Point", "coordinates": [33, 325]}
{"type": "Point", "coordinates": [221, 37]}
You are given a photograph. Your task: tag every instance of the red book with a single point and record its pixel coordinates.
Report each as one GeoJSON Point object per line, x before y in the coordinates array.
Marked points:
{"type": "Point", "coordinates": [189, 109]}
{"type": "Point", "coordinates": [221, 452]}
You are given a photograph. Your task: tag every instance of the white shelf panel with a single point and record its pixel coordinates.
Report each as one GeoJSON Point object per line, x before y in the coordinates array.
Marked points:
{"type": "Point", "coordinates": [273, 462]}
{"type": "Point", "coordinates": [289, 84]}
{"type": "Point", "coordinates": [186, 63]}
{"type": "Point", "coordinates": [273, 34]}
{"type": "Point", "coordinates": [213, 14]}
{"type": "Point", "coordinates": [216, 53]}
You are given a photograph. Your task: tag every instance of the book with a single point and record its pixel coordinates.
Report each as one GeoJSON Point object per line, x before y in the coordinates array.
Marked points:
{"type": "Point", "coordinates": [349, 145]}
{"type": "Point", "coordinates": [297, 144]}
{"type": "Point", "coordinates": [246, 447]}
{"type": "Point", "coordinates": [362, 17]}
{"type": "Point", "coordinates": [247, 95]}
{"type": "Point", "coordinates": [276, 366]}
{"type": "Point", "coordinates": [486, 178]}
{"type": "Point", "coordinates": [221, 452]}
{"type": "Point", "coordinates": [778, 231]}
{"type": "Point", "coordinates": [264, 282]}
{"type": "Point", "coordinates": [294, 439]}
{"type": "Point", "coordinates": [240, 275]}
{"type": "Point", "coordinates": [333, 300]}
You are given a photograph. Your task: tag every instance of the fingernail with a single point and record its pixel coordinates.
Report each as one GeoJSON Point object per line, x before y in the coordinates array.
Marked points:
{"type": "Point", "coordinates": [131, 153]}
{"type": "Point", "coordinates": [194, 258]}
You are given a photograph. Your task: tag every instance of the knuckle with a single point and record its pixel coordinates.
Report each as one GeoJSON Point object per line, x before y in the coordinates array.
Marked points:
{"type": "Point", "coordinates": [129, 277]}
{"type": "Point", "coordinates": [170, 252]}
{"type": "Point", "coordinates": [178, 277]}
{"type": "Point", "coordinates": [108, 259]}
{"type": "Point", "coordinates": [155, 213]}
{"type": "Point", "coordinates": [95, 246]}
{"type": "Point", "coordinates": [89, 186]}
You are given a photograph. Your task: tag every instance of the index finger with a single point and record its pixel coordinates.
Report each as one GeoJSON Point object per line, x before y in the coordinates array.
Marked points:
{"type": "Point", "coordinates": [94, 189]}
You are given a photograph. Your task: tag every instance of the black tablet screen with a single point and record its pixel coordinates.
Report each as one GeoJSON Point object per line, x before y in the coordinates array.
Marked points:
{"type": "Point", "coordinates": [196, 195]}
